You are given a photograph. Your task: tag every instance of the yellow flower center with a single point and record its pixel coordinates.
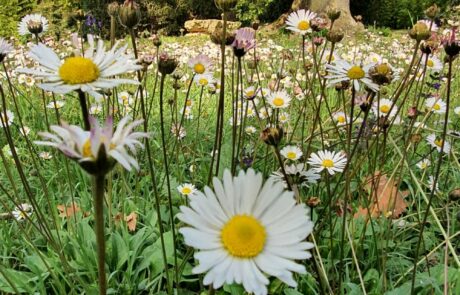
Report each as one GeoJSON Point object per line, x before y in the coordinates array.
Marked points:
{"type": "Point", "coordinates": [356, 72]}
{"type": "Point", "coordinates": [291, 155]}
{"type": "Point", "coordinates": [384, 109]}
{"type": "Point", "coordinates": [438, 142]}
{"type": "Point", "coordinates": [199, 68]}
{"type": "Point", "coordinates": [437, 107]}
{"type": "Point", "coordinates": [250, 93]}
{"type": "Point", "coordinates": [189, 102]}
{"type": "Point", "coordinates": [423, 165]}
{"type": "Point", "coordinates": [243, 236]}
{"type": "Point", "coordinates": [87, 153]}
{"type": "Point", "coordinates": [430, 63]}
{"type": "Point", "coordinates": [186, 190]}
{"type": "Point", "coordinates": [341, 119]}
{"type": "Point", "coordinates": [383, 69]}
{"type": "Point", "coordinates": [327, 163]}
{"type": "Point", "coordinates": [303, 25]}
{"type": "Point", "coordinates": [78, 70]}
{"type": "Point", "coordinates": [203, 82]}
{"type": "Point", "coordinates": [278, 101]}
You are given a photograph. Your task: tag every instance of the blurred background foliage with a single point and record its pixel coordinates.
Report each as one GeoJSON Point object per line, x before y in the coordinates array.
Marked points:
{"type": "Point", "coordinates": [169, 16]}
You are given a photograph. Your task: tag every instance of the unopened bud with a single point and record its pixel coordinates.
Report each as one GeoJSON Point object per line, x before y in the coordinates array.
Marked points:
{"type": "Point", "coordinates": [272, 135]}
{"type": "Point", "coordinates": [129, 14]}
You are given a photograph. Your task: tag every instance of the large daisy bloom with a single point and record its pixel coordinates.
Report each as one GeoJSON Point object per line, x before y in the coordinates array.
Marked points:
{"type": "Point", "coordinates": [436, 105]}
{"type": "Point", "coordinates": [384, 108]}
{"type": "Point", "coordinates": [32, 24]}
{"type": "Point", "coordinates": [291, 152]}
{"type": "Point", "coordinates": [299, 21]}
{"type": "Point", "coordinates": [279, 99]}
{"type": "Point", "coordinates": [342, 71]}
{"type": "Point", "coordinates": [97, 148]}
{"type": "Point", "coordinates": [331, 161]}
{"type": "Point", "coordinates": [437, 143]}
{"type": "Point", "coordinates": [88, 73]}
{"type": "Point", "coordinates": [200, 64]}
{"type": "Point", "coordinates": [245, 230]}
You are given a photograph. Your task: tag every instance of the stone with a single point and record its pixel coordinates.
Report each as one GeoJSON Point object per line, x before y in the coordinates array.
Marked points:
{"type": "Point", "coordinates": [209, 26]}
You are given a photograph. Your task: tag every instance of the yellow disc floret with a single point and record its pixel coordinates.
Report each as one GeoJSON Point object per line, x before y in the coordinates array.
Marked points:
{"type": "Point", "coordinates": [303, 25]}
{"type": "Point", "coordinates": [199, 68]}
{"type": "Point", "coordinates": [186, 190]}
{"type": "Point", "coordinates": [243, 236]}
{"type": "Point", "coordinates": [291, 155]}
{"type": "Point", "coordinates": [356, 72]}
{"type": "Point", "coordinates": [78, 70]}
{"type": "Point", "coordinates": [437, 107]}
{"type": "Point", "coordinates": [430, 63]}
{"type": "Point", "coordinates": [438, 142]}
{"type": "Point", "coordinates": [86, 150]}
{"type": "Point", "coordinates": [278, 101]}
{"type": "Point", "coordinates": [341, 119]}
{"type": "Point", "coordinates": [328, 163]}
{"type": "Point", "coordinates": [384, 109]}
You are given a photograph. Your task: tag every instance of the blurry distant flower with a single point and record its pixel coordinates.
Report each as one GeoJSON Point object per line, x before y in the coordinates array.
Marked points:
{"type": "Point", "coordinates": [279, 99]}
{"type": "Point", "coordinates": [382, 108]}
{"type": "Point", "coordinates": [432, 185]}
{"type": "Point", "coordinates": [95, 109]}
{"type": "Point", "coordinates": [250, 130]}
{"type": "Point", "coordinates": [125, 99]}
{"type": "Point", "coordinates": [97, 149]}
{"type": "Point", "coordinates": [186, 189]}
{"type": "Point", "coordinates": [297, 175]}
{"type": "Point", "coordinates": [45, 155]}
{"type": "Point", "coordinates": [331, 161]}
{"type": "Point", "coordinates": [29, 81]}
{"type": "Point", "coordinates": [244, 230]}
{"type": "Point", "coordinates": [423, 164]}
{"type": "Point", "coordinates": [22, 79]}
{"type": "Point", "coordinates": [178, 133]}
{"type": "Point", "coordinates": [34, 24]}
{"type": "Point", "coordinates": [88, 73]}
{"type": "Point", "coordinates": [436, 105]}
{"type": "Point", "coordinates": [24, 131]}
{"type": "Point", "coordinates": [204, 79]}
{"type": "Point", "coordinates": [343, 71]}
{"type": "Point", "coordinates": [59, 104]}
{"type": "Point", "coordinates": [5, 48]}
{"type": "Point", "coordinates": [6, 119]}
{"type": "Point", "coordinates": [299, 21]}
{"type": "Point", "coordinates": [249, 93]}
{"type": "Point", "coordinates": [283, 117]}
{"type": "Point", "coordinates": [437, 143]}
{"type": "Point", "coordinates": [457, 111]}
{"type": "Point", "coordinates": [433, 63]}
{"type": "Point", "coordinates": [22, 211]}
{"type": "Point", "coordinates": [200, 64]}
{"type": "Point", "coordinates": [340, 118]}
{"type": "Point", "coordinates": [265, 112]}
{"type": "Point", "coordinates": [244, 41]}
{"type": "Point", "coordinates": [291, 152]}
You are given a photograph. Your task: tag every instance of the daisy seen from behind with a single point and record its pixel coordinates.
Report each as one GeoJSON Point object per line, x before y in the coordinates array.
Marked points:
{"type": "Point", "coordinates": [245, 229]}
{"type": "Point", "coordinates": [89, 73]}
{"type": "Point", "coordinates": [299, 21]}
{"type": "Point", "coordinates": [326, 160]}
{"type": "Point", "coordinates": [98, 149]}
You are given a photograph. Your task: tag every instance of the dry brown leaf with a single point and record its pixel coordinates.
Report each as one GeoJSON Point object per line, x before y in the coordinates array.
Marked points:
{"type": "Point", "coordinates": [385, 199]}
{"type": "Point", "coordinates": [68, 211]}
{"type": "Point", "coordinates": [131, 221]}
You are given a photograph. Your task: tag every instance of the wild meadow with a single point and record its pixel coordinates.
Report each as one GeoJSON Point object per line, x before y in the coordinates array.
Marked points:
{"type": "Point", "coordinates": [299, 160]}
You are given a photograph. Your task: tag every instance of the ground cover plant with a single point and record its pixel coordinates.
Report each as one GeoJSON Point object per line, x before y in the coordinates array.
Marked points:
{"type": "Point", "coordinates": [301, 161]}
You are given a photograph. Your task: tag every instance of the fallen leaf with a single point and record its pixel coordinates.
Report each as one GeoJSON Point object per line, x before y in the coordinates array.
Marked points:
{"type": "Point", "coordinates": [131, 221]}
{"type": "Point", "coordinates": [386, 199]}
{"type": "Point", "coordinates": [68, 211]}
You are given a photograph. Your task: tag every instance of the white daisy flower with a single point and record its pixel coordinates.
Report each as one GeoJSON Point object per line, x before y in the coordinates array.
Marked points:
{"type": "Point", "coordinates": [88, 73]}
{"type": "Point", "coordinates": [95, 109]}
{"type": "Point", "coordinates": [331, 161]}
{"type": "Point", "coordinates": [457, 111]}
{"type": "Point", "coordinates": [432, 64]}
{"type": "Point", "coordinates": [24, 130]}
{"type": "Point", "coordinates": [32, 24]}
{"type": "Point", "coordinates": [178, 133]}
{"type": "Point", "coordinates": [200, 64]}
{"type": "Point", "coordinates": [22, 79]}
{"type": "Point", "coordinates": [250, 92]}
{"type": "Point", "coordinates": [59, 104]}
{"type": "Point", "coordinates": [423, 164]}
{"type": "Point", "coordinates": [432, 185]}
{"type": "Point", "coordinates": [265, 112]}
{"type": "Point", "coordinates": [297, 174]}
{"type": "Point", "coordinates": [45, 155]}
{"type": "Point", "coordinates": [291, 152]}
{"type": "Point", "coordinates": [279, 99]}
{"type": "Point", "coordinates": [22, 211]}
{"type": "Point", "coordinates": [5, 48]}
{"type": "Point", "coordinates": [245, 230]}
{"type": "Point", "coordinates": [204, 79]}
{"type": "Point", "coordinates": [29, 81]}
{"type": "Point", "coordinates": [340, 118]}
{"type": "Point", "coordinates": [250, 130]}
{"type": "Point", "coordinates": [186, 189]}
{"type": "Point", "coordinates": [264, 92]}
{"type": "Point", "coordinates": [100, 144]}
{"type": "Point", "coordinates": [283, 118]}
{"type": "Point", "coordinates": [6, 119]}
{"type": "Point", "coordinates": [344, 71]}
{"type": "Point", "coordinates": [299, 21]}
{"type": "Point", "coordinates": [382, 108]}
{"type": "Point", "coordinates": [125, 99]}
{"type": "Point", "coordinates": [436, 105]}
{"type": "Point", "coordinates": [437, 143]}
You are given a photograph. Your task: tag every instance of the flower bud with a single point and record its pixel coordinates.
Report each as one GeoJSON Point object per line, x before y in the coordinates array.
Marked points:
{"type": "Point", "coordinates": [455, 195]}
{"type": "Point", "coordinates": [420, 31]}
{"type": "Point", "coordinates": [225, 5]}
{"type": "Point", "coordinates": [129, 14]}
{"type": "Point", "coordinates": [432, 11]}
{"type": "Point", "coordinates": [334, 35]}
{"type": "Point", "coordinates": [156, 40]}
{"type": "Point", "coordinates": [166, 64]}
{"type": "Point", "coordinates": [415, 138]}
{"type": "Point", "coordinates": [112, 9]}
{"type": "Point", "coordinates": [381, 74]}
{"type": "Point", "coordinates": [333, 14]}
{"type": "Point", "coordinates": [255, 25]}
{"type": "Point", "coordinates": [216, 37]}
{"type": "Point", "coordinates": [272, 135]}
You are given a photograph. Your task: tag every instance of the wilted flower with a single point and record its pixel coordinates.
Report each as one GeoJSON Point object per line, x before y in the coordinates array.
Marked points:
{"type": "Point", "coordinates": [166, 64]}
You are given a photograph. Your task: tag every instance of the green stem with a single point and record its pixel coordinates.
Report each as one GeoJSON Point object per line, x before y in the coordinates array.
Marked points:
{"type": "Point", "coordinates": [98, 196]}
